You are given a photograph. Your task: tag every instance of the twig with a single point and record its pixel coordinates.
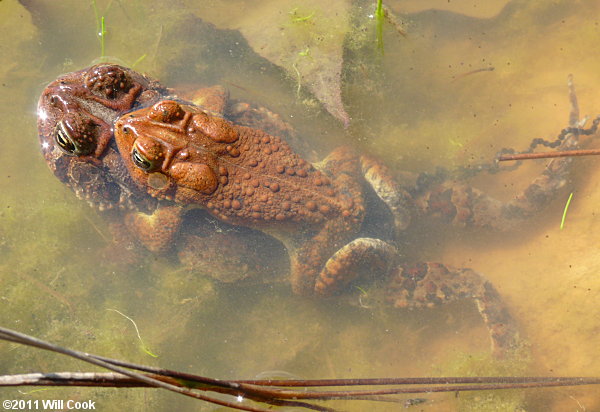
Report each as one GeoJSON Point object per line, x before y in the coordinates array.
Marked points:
{"type": "Point", "coordinates": [265, 391]}
{"type": "Point", "coordinates": [548, 155]}
{"type": "Point", "coordinates": [17, 337]}
{"type": "Point", "coordinates": [483, 69]}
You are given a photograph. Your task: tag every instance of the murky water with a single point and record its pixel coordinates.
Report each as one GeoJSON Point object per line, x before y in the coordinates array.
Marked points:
{"type": "Point", "coordinates": [423, 104]}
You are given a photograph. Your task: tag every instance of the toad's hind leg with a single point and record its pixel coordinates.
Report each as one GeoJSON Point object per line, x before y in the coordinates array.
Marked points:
{"type": "Point", "coordinates": [398, 200]}
{"type": "Point", "coordinates": [467, 206]}
{"type": "Point", "coordinates": [359, 257]}
{"type": "Point", "coordinates": [334, 256]}
{"type": "Point", "coordinates": [432, 284]}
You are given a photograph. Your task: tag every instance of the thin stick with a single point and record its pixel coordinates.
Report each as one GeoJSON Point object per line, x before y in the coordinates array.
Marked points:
{"type": "Point", "coordinates": [574, 113]}
{"type": "Point", "coordinates": [483, 69]}
{"type": "Point", "coordinates": [262, 391]}
{"type": "Point", "coordinates": [14, 336]}
{"type": "Point", "coordinates": [97, 379]}
{"type": "Point", "coordinates": [446, 380]}
{"type": "Point", "coordinates": [548, 155]}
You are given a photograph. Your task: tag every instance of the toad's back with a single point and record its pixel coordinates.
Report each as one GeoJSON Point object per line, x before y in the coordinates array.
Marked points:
{"type": "Point", "coordinates": [239, 174]}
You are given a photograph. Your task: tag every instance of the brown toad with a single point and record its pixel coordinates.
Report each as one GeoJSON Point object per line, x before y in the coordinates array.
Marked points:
{"type": "Point", "coordinates": [247, 177]}
{"type": "Point", "coordinates": [318, 221]}
{"type": "Point", "coordinates": [244, 176]}
{"type": "Point", "coordinates": [76, 114]}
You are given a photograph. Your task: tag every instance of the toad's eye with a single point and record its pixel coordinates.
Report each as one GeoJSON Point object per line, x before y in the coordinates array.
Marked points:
{"type": "Point", "coordinates": [63, 139]}
{"type": "Point", "coordinates": [76, 136]}
{"type": "Point", "coordinates": [142, 161]}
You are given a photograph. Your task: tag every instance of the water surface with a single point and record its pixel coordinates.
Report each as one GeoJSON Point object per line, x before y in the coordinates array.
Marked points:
{"type": "Point", "coordinates": [416, 107]}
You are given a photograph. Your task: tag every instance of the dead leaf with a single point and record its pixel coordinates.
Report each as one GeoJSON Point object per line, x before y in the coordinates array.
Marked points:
{"type": "Point", "coordinates": [305, 38]}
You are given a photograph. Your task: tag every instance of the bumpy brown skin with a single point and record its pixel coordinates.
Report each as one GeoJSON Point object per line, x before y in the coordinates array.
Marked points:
{"type": "Point", "coordinates": [241, 175]}
{"type": "Point", "coordinates": [81, 107]}
{"type": "Point", "coordinates": [76, 113]}
{"type": "Point", "coordinates": [246, 177]}
{"type": "Point", "coordinates": [429, 284]}
{"type": "Point", "coordinates": [249, 177]}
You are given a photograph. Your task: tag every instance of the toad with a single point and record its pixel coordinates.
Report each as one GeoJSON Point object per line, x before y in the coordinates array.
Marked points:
{"type": "Point", "coordinates": [76, 113]}
{"type": "Point", "coordinates": [244, 176]}
{"type": "Point", "coordinates": [247, 177]}
{"type": "Point", "coordinates": [317, 210]}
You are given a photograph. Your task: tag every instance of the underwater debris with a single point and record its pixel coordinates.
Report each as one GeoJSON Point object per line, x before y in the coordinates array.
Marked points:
{"type": "Point", "coordinates": [283, 37]}
{"type": "Point", "coordinates": [483, 69]}
{"type": "Point", "coordinates": [266, 392]}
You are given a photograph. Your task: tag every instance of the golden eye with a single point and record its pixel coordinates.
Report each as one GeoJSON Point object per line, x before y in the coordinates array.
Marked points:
{"type": "Point", "coordinates": [63, 139]}
{"type": "Point", "coordinates": [76, 136]}
{"type": "Point", "coordinates": [141, 161]}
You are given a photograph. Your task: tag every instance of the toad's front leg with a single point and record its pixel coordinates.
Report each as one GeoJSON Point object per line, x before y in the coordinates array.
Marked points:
{"type": "Point", "coordinates": [156, 230]}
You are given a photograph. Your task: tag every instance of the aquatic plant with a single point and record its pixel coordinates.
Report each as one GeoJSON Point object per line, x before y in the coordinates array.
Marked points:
{"type": "Point", "coordinates": [379, 17]}
{"type": "Point", "coordinates": [100, 27]}
{"type": "Point", "coordinates": [101, 33]}
{"type": "Point", "coordinates": [299, 19]}
{"type": "Point", "coordinates": [143, 345]}
{"type": "Point", "coordinates": [564, 216]}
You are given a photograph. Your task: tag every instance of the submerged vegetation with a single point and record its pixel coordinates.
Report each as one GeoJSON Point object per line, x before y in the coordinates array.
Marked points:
{"type": "Point", "coordinates": [379, 19]}
{"type": "Point", "coordinates": [100, 27]}
{"type": "Point", "coordinates": [564, 215]}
